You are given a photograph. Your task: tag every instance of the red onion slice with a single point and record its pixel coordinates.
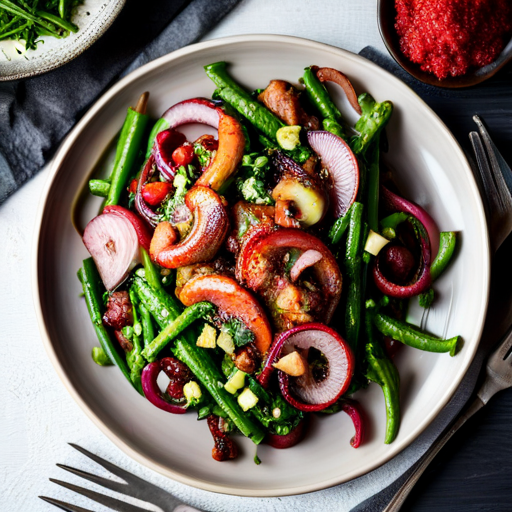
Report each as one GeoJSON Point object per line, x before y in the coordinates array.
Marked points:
{"type": "Point", "coordinates": [165, 143]}
{"type": "Point", "coordinates": [196, 110]}
{"type": "Point", "coordinates": [152, 391]}
{"type": "Point", "coordinates": [138, 224]}
{"type": "Point", "coordinates": [306, 259]}
{"type": "Point", "coordinates": [353, 409]}
{"type": "Point", "coordinates": [396, 203]}
{"type": "Point", "coordinates": [342, 165]}
{"type": "Point", "coordinates": [305, 393]}
{"type": "Point", "coordinates": [114, 246]}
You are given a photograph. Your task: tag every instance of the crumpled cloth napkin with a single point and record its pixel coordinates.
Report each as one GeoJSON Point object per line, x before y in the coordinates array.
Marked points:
{"type": "Point", "coordinates": [36, 113]}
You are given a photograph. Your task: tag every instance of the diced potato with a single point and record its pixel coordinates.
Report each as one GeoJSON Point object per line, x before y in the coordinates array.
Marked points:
{"type": "Point", "coordinates": [207, 337]}
{"type": "Point", "coordinates": [292, 364]}
{"type": "Point", "coordinates": [225, 342]}
{"type": "Point", "coordinates": [247, 399]}
{"type": "Point", "coordinates": [375, 242]}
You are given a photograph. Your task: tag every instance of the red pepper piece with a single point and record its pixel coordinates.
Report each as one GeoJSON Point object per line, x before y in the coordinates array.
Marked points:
{"type": "Point", "coordinates": [155, 192]}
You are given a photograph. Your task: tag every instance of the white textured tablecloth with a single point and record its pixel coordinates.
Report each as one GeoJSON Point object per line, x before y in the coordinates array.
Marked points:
{"type": "Point", "coordinates": [38, 417]}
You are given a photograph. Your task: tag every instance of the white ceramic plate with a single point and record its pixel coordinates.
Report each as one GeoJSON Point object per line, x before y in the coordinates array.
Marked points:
{"type": "Point", "coordinates": [430, 168]}
{"type": "Point", "coordinates": [93, 18]}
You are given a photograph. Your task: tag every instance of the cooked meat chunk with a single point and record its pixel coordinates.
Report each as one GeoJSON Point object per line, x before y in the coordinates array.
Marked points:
{"type": "Point", "coordinates": [224, 448]}
{"type": "Point", "coordinates": [178, 373]}
{"type": "Point", "coordinates": [247, 358]}
{"type": "Point", "coordinates": [283, 100]}
{"type": "Point", "coordinates": [125, 343]}
{"type": "Point", "coordinates": [119, 312]}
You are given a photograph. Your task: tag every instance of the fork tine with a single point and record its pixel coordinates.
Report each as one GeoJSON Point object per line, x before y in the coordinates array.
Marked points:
{"type": "Point", "coordinates": [116, 470]}
{"type": "Point", "coordinates": [498, 164]}
{"type": "Point", "coordinates": [68, 507]}
{"type": "Point", "coordinates": [104, 482]}
{"type": "Point", "coordinates": [494, 199]}
{"type": "Point", "coordinates": [113, 503]}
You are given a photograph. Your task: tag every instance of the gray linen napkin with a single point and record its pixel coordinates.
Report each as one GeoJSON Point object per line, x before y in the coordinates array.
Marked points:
{"type": "Point", "coordinates": [36, 113]}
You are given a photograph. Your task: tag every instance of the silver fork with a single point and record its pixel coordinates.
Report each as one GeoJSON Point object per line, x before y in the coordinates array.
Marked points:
{"type": "Point", "coordinates": [494, 174]}
{"type": "Point", "coordinates": [134, 487]}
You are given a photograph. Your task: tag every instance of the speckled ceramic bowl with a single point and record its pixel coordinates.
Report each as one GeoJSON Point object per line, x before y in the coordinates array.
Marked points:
{"type": "Point", "coordinates": [93, 18]}
{"type": "Point", "coordinates": [430, 169]}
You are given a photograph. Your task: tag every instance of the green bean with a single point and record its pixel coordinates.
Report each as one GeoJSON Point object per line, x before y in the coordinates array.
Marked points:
{"type": "Point", "coordinates": [373, 185]}
{"type": "Point", "coordinates": [99, 188]}
{"type": "Point", "coordinates": [161, 125]}
{"type": "Point", "coordinates": [447, 244]}
{"type": "Point", "coordinates": [259, 116]}
{"type": "Point", "coordinates": [339, 227]}
{"type": "Point", "coordinates": [353, 268]}
{"type": "Point", "coordinates": [148, 331]}
{"type": "Point", "coordinates": [162, 306]}
{"type": "Point", "coordinates": [319, 96]}
{"type": "Point", "coordinates": [93, 293]}
{"type": "Point", "coordinates": [375, 116]}
{"type": "Point", "coordinates": [134, 358]}
{"type": "Point", "coordinates": [128, 148]}
{"type": "Point", "coordinates": [382, 371]}
{"type": "Point", "coordinates": [203, 367]}
{"type": "Point", "coordinates": [176, 327]}
{"type": "Point", "coordinates": [151, 273]}
{"type": "Point", "coordinates": [412, 336]}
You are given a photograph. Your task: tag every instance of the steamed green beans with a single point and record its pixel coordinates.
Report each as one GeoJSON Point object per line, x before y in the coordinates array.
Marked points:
{"type": "Point", "coordinates": [93, 293]}
{"type": "Point", "coordinates": [410, 335]}
{"type": "Point", "coordinates": [128, 148]}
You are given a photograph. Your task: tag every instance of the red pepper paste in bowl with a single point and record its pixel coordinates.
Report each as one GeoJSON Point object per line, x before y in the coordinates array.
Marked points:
{"type": "Point", "coordinates": [449, 37]}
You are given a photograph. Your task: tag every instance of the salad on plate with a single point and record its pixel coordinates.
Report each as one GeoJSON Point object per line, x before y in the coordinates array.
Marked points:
{"type": "Point", "coordinates": [262, 275]}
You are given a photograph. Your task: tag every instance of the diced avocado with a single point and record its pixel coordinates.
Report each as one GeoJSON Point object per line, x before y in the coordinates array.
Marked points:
{"type": "Point", "coordinates": [225, 342]}
{"type": "Point", "coordinates": [288, 137]}
{"type": "Point", "coordinates": [207, 337]}
{"type": "Point", "coordinates": [235, 382]}
{"type": "Point", "coordinates": [192, 392]}
{"type": "Point", "coordinates": [247, 399]}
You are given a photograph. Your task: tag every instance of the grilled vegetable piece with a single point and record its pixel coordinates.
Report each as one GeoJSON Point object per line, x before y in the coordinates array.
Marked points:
{"type": "Point", "coordinates": [232, 300]}
{"type": "Point", "coordinates": [210, 228]}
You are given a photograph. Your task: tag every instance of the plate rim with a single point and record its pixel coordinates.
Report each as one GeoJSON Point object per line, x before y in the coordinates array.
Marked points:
{"type": "Point", "coordinates": [60, 156]}
{"type": "Point", "coordinates": [103, 24]}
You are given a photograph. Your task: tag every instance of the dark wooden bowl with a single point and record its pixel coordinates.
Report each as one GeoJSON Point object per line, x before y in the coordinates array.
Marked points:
{"type": "Point", "coordinates": [386, 14]}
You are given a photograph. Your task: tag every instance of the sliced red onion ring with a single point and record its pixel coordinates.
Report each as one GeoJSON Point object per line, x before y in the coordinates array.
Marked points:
{"type": "Point", "coordinates": [165, 143]}
{"type": "Point", "coordinates": [396, 203]}
{"type": "Point", "coordinates": [342, 165]}
{"type": "Point", "coordinates": [196, 110]}
{"type": "Point", "coordinates": [138, 224]}
{"type": "Point", "coordinates": [422, 279]}
{"type": "Point", "coordinates": [145, 211]}
{"type": "Point", "coordinates": [353, 409]}
{"type": "Point", "coordinates": [113, 244]}
{"type": "Point", "coordinates": [305, 393]}
{"type": "Point", "coordinates": [152, 391]}
{"type": "Point", "coordinates": [305, 260]}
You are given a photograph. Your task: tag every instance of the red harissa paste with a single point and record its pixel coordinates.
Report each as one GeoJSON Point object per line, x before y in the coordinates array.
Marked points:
{"type": "Point", "coordinates": [448, 37]}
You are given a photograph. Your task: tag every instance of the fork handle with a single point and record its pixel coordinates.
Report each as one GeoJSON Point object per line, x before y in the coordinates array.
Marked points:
{"type": "Point", "coordinates": [398, 499]}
